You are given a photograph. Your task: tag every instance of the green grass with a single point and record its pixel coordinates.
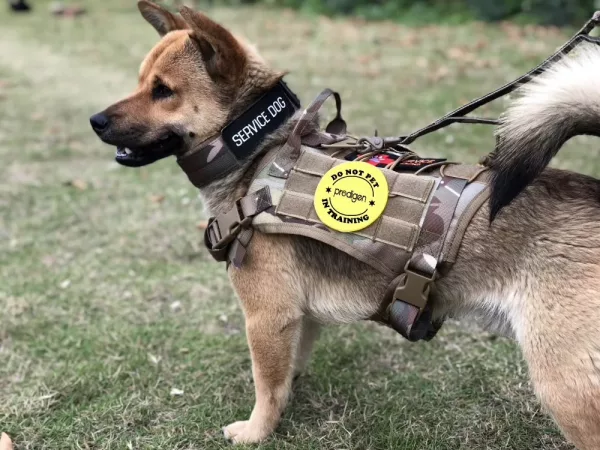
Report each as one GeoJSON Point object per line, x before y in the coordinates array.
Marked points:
{"type": "Point", "coordinates": [109, 301]}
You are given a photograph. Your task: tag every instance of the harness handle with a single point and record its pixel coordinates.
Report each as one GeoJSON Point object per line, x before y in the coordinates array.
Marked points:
{"type": "Point", "coordinates": [458, 114]}
{"type": "Point", "coordinates": [338, 124]}
{"type": "Point", "coordinates": [287, 156]}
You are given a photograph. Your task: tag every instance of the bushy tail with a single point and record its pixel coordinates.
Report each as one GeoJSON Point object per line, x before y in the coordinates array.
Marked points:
{"type": "Point", "coordinates": [562, 102]}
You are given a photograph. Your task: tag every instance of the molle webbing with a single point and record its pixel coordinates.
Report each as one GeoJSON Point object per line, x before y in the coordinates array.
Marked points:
{"type": "Point", "coordinates": [386, 245]}
{"type": "Point", "coordinates": [288, 155]}
{"type": "Point", "coordinates": [399, 224]}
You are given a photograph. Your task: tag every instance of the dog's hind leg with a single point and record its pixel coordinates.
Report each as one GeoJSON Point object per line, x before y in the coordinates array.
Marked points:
{"type": "Point", "coordinates": [310, 333]}
{"type": "Point", "coordinates": [571, 393]}
{"type": "Point", "coordinates": [563, 352]}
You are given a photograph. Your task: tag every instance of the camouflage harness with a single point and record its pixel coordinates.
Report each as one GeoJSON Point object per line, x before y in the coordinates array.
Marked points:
{"type": "Point", "coordinates": [422, 225]}
{"type": "Point", "coordinates": [420, 232]}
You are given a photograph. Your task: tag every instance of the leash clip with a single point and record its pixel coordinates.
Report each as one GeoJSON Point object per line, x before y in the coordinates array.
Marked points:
{"type": "Point", "coordinates": [377, 144]}
{"type": "Point", "coordinates": [374, 143]}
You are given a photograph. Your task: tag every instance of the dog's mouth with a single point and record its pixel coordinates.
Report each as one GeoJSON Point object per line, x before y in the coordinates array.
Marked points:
{"type": "Point", "coordinates": [147, 154]}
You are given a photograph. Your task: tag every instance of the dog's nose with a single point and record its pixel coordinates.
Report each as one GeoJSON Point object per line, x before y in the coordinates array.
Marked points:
{"type": "Point", "coordinates": [99, 122]}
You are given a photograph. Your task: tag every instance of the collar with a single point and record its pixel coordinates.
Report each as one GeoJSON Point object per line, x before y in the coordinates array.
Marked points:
{"type": "Point", "coordinates": [230, 149]}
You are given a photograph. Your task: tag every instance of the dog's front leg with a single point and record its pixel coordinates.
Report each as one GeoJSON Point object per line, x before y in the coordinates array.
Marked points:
{"type": "Point", "coordinates": [273, 340]}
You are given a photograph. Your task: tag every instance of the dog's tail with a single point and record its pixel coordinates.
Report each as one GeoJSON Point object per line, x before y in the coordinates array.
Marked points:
{"type": "Point", "coordinates": [562, 102]}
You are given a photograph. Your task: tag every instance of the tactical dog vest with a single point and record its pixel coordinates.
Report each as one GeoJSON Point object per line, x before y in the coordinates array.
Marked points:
{"type": "Point", "coordinates": [421, 226]}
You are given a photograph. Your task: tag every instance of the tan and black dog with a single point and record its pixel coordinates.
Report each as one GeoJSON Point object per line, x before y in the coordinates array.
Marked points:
{"type": "Point", "coordinates": [532, 274]}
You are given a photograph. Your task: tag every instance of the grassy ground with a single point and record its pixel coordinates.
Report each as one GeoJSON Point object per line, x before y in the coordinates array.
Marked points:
{"type": "Point", "coordinates": [109, 302]}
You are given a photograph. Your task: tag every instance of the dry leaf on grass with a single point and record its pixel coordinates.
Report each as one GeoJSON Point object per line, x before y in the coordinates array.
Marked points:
{"type": "Point", "coordinates": [202, 225]}
{"type": "Point", "coordinates": [5, 442]}
{"type": "Point", "coordinates": [481, 44]}
{"type": "Point", "coordinates": [365, 59]}
{"type": "Point", "coordinates": [439, 74]}
{"type": "Point", "coordinates": [410, 40]}
{"type": "Point", "coordinates": [78, 184]}
{"type": "Point", "coordinates": [422, 63]}
{"type": "Point", "coordinates": [48, 260]}
{"type": "Point", "coordinates": [157, 198]}
{"type": "Point", "coordinates": [60, 9]}
{"type": "Point", "coordinates": [54, 130]}
{"type": "Point", "coordinates": [154, 359]}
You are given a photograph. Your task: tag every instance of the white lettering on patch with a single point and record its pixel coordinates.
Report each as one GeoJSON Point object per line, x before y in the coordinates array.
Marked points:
{"type": "Point", "coordinates": [259, 122]}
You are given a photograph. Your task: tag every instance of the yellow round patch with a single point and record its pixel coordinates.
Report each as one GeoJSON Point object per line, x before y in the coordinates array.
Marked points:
{"type": "Point", "coordinates": [351, 196]}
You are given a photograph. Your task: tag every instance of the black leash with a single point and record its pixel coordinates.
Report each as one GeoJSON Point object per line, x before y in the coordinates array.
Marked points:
{"type": "Point", "coordinates": [458, 116]}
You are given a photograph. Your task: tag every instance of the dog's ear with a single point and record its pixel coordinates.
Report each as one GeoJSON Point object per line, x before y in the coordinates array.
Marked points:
{"type": "Point", "coordinates": [162, 20]}
{"type": "Point", "coordinates": [223, 55]}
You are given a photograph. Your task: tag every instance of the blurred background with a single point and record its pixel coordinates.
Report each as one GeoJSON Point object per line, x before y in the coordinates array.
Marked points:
{"type": "Point", "coordinates": [118, 330]}
{"type": "Point", "coordinates": [546, 12]}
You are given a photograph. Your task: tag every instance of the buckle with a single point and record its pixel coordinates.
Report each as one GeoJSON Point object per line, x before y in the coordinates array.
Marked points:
{"type": "Point", "coordinates": [223, 229]}
{"type": "Point", "coordinates": [415, 290]}
{"type": "Point", "coordinates": [408, 313]}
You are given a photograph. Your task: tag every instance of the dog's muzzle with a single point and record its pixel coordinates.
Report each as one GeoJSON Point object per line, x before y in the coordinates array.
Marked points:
{"type": "Point", "coordinates": [143, 156]}
{"type": "Point", "coordinates": [136, 155]}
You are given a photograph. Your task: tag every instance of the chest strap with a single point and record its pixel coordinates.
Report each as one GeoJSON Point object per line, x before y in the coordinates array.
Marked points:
{"type": "Point", "coordinates": [409, 311]}
{"type": "Point", "coordinates": [227, 235]}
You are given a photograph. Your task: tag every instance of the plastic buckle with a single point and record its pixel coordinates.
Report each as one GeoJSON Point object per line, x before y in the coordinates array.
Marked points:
{"type": "Point", "coordinates": [224, 228]}
{"type": "Point", "coordinates": [415, 290]}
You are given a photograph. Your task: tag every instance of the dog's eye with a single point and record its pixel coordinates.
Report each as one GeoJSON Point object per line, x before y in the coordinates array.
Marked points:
{"type": "Point", "coordinates": [161, 91]}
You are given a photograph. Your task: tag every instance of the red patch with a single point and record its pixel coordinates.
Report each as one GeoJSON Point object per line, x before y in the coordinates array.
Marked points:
{"type": "Point", "coordinates": [386, 158]}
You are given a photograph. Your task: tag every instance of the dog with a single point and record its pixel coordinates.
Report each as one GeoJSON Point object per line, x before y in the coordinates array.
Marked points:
{"type": "Point", "coordinates": [533, 273]}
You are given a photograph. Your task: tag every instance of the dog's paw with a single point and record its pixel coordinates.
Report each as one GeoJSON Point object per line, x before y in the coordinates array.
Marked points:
{"type": "Point", "coordinates": [244, 433]}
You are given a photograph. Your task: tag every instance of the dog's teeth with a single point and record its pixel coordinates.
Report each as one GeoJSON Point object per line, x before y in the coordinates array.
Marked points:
{"type": "Point", "coordinates": [129, 152]}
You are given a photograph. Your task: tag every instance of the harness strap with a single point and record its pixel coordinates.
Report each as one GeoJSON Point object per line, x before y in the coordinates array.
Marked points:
{"type": "Point", "coordinates": [228, 234]}
{"type": "Point", "coordinates": [409, 312]}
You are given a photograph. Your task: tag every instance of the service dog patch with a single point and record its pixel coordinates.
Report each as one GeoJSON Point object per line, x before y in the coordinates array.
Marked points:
{"type": "Point", "coordinates": [272, 110]}
{"type": "Point", "coordinates": [351, 196]}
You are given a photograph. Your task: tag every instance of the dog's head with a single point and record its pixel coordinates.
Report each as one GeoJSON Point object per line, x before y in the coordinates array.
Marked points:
{"type": "Point", "coordinates": [189, 86]}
